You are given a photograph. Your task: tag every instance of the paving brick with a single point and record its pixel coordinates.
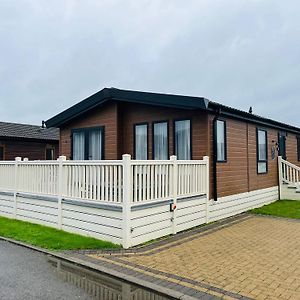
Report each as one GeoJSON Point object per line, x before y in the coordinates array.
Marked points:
{"type": "Point", "coordinates": [258, 258]}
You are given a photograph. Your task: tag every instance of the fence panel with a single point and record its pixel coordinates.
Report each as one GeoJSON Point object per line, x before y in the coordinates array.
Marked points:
{"type": "Point", "coordinates": [7, 173]}
{"type": "Point", "coordinates": [93, 180]}
{"type": "Point", "coordinates": [151, 180]}
{"type": "Point", "coordinates": [37, 177]}
{"type": "Point", "coordinates": [191, 178]}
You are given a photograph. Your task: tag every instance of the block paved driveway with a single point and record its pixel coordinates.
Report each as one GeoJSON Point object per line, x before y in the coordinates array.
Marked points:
{"type": "Point", "coordinates": [252, 257]}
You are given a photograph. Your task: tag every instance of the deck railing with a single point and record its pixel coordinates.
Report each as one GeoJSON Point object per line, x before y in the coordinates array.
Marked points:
{"type": "Point", "coordinates": [103, 181]}
{"type": "Point", "coordinates": [288, 172]}
{"type": "Point", "coordinates": [106, 198]}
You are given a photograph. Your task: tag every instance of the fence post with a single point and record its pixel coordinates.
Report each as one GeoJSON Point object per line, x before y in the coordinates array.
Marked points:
{"type": "Point", "coordinates": [206, 159]}
{"type": "Point", "coordinates": [280, 176]}
{"type": "Point", "coordinates": [17, 161]}
{"type": "Point", "coordinates": [127, 199]}
{"type": "Point", "coordinates": [60, 177]}
{"type": "Point", "coordinates": [173, 158]}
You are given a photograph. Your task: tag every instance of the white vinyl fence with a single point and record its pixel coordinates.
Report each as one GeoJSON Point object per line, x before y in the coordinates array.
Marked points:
{"type": "Point", "coordinates": [124, 201]}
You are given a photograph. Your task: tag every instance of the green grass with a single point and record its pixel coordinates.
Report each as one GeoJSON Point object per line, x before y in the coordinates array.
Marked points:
{"type": "Point", "coordinates": [47, 237]}
{"type": "Point", "coordinates": [281, 208]}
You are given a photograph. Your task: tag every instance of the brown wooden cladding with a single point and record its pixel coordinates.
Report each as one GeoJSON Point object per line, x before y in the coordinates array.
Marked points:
{"type": "Point", "coordinates": [33, 150]}
{"type": "Point", "coordinates": [237, 175]}
{"type": "Point", "coordinates": [134, 114]}
{"type": "Point", "coordinates": [101, 116]}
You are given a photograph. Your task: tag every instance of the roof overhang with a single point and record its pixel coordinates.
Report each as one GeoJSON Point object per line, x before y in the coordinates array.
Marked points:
{"type": "Point", "coordinates": [163, 100]}
{"type": "Point", "coordinates": [112, 94]}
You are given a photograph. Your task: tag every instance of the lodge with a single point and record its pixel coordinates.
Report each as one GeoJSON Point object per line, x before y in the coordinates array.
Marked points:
{"type": "Point", "coordinates": [243, 147]}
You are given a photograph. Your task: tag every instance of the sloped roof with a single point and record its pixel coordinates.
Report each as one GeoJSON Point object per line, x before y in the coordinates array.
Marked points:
{"type": "Point", "coordinates": [166, 100]}
{"type": "Point", "coordinates": [15, 130]}
{"type": "Point", "coordinates": [109, 94]}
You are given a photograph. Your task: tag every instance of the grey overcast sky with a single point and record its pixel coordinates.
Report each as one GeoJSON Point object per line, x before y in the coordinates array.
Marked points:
{"type": "Point", "coordinates": [237, 52]}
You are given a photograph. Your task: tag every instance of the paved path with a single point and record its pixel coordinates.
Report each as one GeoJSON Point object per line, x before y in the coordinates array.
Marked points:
{"type": "Point", "coordinates": [252, 257]}
{"type": "Point", "coordinates": [26, 274]}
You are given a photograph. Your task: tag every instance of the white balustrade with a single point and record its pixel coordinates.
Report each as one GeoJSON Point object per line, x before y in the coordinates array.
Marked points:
{"type": "Point", "coordinates": [103, 180]}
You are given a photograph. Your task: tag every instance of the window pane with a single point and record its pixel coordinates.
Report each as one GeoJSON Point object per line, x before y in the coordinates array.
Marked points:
{"type": "Point", "coordinates": [141, 142]}
{"type": "Point", "coordinates": [183, 139]}
{"type": "Point", "coordinates": [262, 167]}
{"type": "Point", "coordinates": [49, 154]}
{"type": "Point", "coordinates": [95, 144]}
{"type": "Point", "coordinates": [1, 153]}
{"type": "Point", "coordinates": [78, 145]}
{"type": "Point", "coordinates": [161, 140]}
{"type": "Point", "coordinates": [262, 147]}
{"type": "Point", "coordinates": [220, 140]}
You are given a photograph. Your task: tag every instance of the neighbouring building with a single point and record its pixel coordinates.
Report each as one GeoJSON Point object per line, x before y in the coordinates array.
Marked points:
{"type": "Point", "coordinates": [30, 141]}
{"type": "Point", "coordinates": [242, 146]}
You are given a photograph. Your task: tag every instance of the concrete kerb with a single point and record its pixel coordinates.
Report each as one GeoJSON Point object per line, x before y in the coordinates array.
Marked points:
{"type": "Point", "coordinates": [110, 272]}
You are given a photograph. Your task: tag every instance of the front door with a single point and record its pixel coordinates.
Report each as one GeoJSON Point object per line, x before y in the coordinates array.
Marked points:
{"type": "Point", "coordinates": [281, 144]}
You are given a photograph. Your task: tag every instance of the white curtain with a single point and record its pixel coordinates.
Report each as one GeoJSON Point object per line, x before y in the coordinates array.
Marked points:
{"type": "Point", "coordinates": [141, 142]}
{"type": "Point", "coordinates": [95, 145]}
{"type": "Point", "coordinates": [161, 140]}
{"type": "Point", "coordinates": [183, 139]}
{"type": "Point", "coordinates": [220, 140]}
{"type": "Point", "coordinates": [78, 145]}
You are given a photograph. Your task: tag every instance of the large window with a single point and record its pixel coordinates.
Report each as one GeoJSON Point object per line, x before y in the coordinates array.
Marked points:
{"type": "Point", "coordinates": [262, 149]}
{"type": "Point", "coordinates": [221, 141]}
{"type": "Point", "coordinates": [141, 141]}
{"type": "Point", "coordinates": [88, 143]}
{"type": "Point", "coordinates": [160, 140]}
{"type": "Point", "coordinates": [183, 139]}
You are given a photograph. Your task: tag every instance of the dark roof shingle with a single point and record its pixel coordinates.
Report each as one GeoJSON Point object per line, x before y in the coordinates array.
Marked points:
{"type": "Point", "coordinates": [15, 130]}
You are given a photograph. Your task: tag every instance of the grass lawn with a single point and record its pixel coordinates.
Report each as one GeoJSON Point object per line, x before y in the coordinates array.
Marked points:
{"type": "Point", "coordinates": [47, 237]}
{"type": "Point", "coordinates": [281, 208]}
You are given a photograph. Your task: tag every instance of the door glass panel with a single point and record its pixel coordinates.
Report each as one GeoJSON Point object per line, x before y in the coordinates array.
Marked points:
{"type": "Point", "coordinates": [78, 145]}
{"type": "Point", "coordinates": [95, 145]}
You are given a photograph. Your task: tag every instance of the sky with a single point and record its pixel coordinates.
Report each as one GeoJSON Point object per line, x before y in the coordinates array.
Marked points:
{"type": "Point", "coordinates": [240, 53]}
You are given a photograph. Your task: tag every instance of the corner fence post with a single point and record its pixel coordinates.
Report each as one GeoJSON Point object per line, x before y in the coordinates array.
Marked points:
{"type": "Point", "coordinates": [280, 176]}
{"type": "Point", "coordinates": [173, 158]}
{"type": "Point", "coordinates": [206, 159]}
{"type": "Point", "coordinates": [61, 159]}
{"type": "Point", "coordinates": [17, 161]}
{"type": "Point", "coordinates": [127, 200]}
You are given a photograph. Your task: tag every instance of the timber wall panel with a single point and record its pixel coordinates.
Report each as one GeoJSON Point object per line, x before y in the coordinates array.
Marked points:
{"type": "Point", "coordinates": [33, 150]}
{"type": "Point", "coordinates": [101, 116]}
{"type": "Point", "coordinates": [239, 173]}
{"type": "Point", "coordinates": [291, 149]}
{"type": "Point", "coordinates": [138, 113]}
